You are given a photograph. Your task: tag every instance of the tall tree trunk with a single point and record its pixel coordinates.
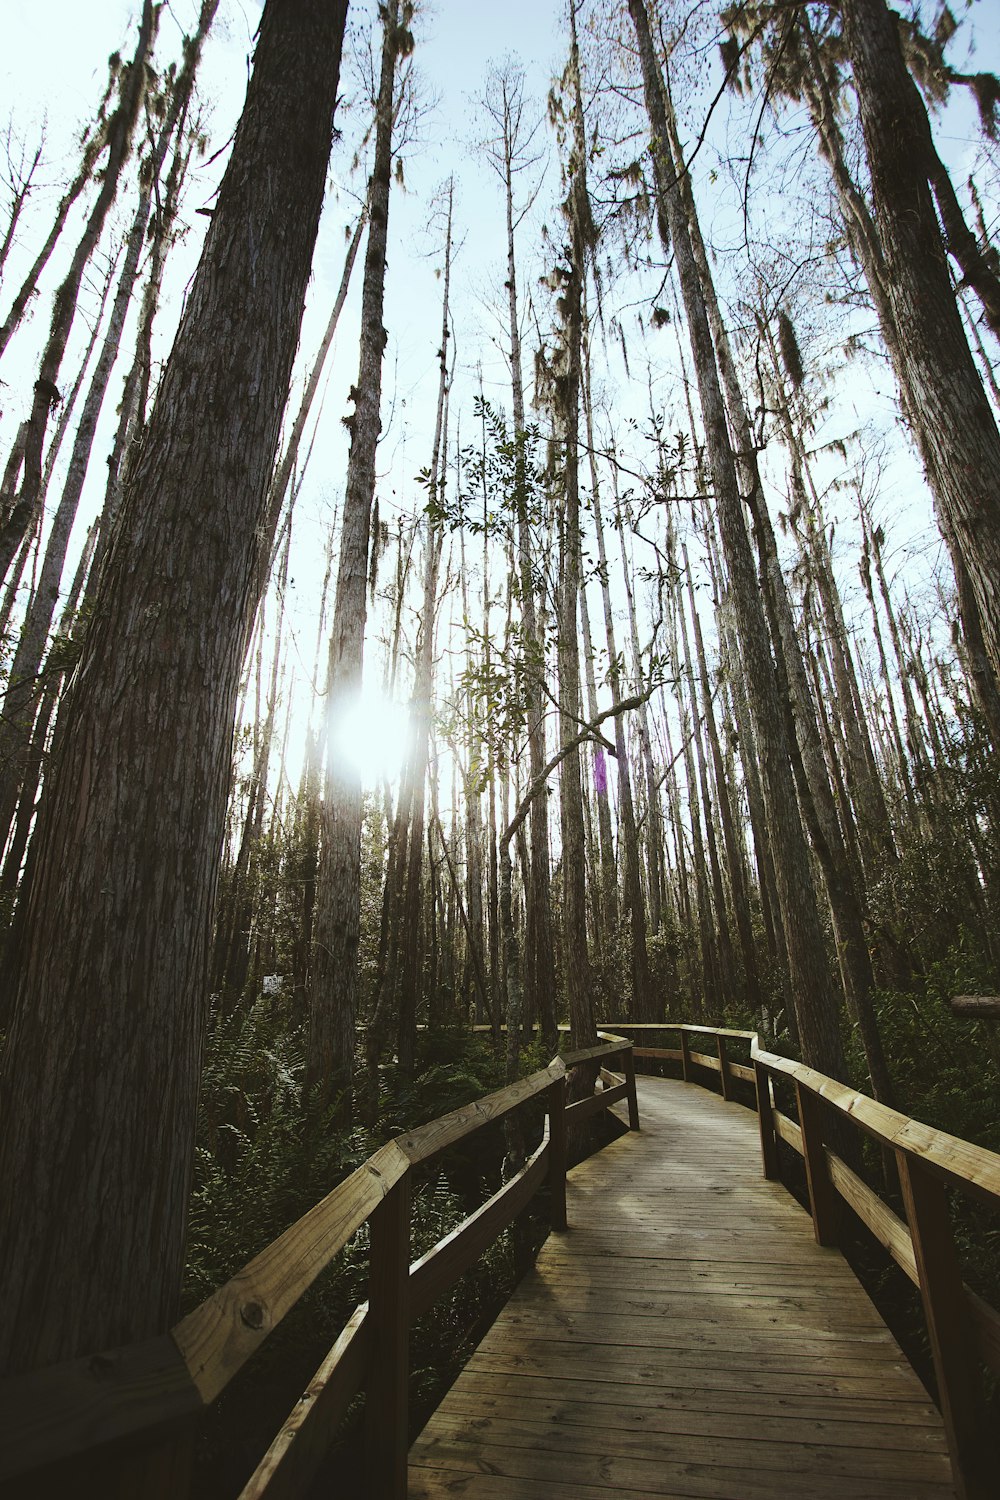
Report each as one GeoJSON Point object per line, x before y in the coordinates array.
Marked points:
{"type": "Point", "coordinates": [815, 1002]}
{"type": "Point", "coordinates": [52, 681]}
{"type": "Point", "coordinates": [68, 408]}
{"type": "Point", "coordinates": [132, 408]}
{"type": "Point", "coordinates": [124, 862]}
{"type": "Point", "coordinates": [606, 891]}
{"type": "Point", "coordinates": [654, 821]}
{"type": "Point", "coordinates": [94, 144]}
{"type": "Point", "coordinates": [333, 1001]}
{"type": "Point", "coordinates": [726, 961]}
{"type": "Point", "coordinates": [540, 970]}
{"type": "Point", "coordinates": [734, 852]}
{"type": "Point", "coordinates": [957, 432]}
{"type": "Point", "coordinates": [642, 998]}
{"type": "Point", "coordinates": [21, 695]}
{"type": "Point", "coordinates": [578, 977]}
{"type": "Point", "coordinates": [286, 467]}
{"type": "Point", "coordinates": [711, 999]}
{"type": "Point", "coordinates": [423, 696]}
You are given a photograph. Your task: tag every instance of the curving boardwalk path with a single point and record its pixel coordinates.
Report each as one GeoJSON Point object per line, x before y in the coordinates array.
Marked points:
{"type": "Point", "coordinates": [686, 1337]}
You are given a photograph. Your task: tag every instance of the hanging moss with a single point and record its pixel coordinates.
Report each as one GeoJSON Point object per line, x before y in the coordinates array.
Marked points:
{"type": "Point", "coordinates": [986, 87]}
{"type": "Point", "coordinates": [789, 345]}
{"type": "Point", "coordinates": [945, 27]}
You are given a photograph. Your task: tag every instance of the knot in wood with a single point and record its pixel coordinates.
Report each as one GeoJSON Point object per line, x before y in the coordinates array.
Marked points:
{"type": "Point", "coordinates": [252, 1314]}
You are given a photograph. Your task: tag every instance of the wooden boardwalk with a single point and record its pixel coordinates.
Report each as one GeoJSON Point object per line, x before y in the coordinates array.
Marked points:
{"type": "Point", "coordinates": [686, 1337]}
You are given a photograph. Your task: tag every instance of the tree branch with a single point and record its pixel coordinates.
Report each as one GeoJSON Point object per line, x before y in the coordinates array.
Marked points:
{"type": "Point", "coordinates": [588, 732]}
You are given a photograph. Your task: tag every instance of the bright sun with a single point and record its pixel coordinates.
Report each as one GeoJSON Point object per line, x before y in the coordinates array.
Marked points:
{"type": "Point", "coordinates": [371, 737]}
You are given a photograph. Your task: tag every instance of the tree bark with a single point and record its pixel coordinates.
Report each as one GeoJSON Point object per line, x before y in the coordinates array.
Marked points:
{"type": "Point", "coordinates": [102, 1061]}
{"type": "Point", "coordinates": [957, 433]}
{"type": "Point", "coordinates": [578, 977]}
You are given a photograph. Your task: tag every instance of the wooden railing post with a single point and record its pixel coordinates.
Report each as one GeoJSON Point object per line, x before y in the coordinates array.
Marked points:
{"type": "Point", "coordinates": [822, 1193]}
{"type": "Point", "coordinates": [556, 1099]}
{"type": "Point", "coordinates": [386, 1415]}
{"type": "Point", "coordinates": [685, 1057]}
{"type": "Point", "coordinates": [765, 1122]}
{"type": "Point", "coordinates": [628, 1068]}
{"type": "Point", "coordinates": [949, 1327]}
{"type": "Point", "coordinates": [727, 1091]}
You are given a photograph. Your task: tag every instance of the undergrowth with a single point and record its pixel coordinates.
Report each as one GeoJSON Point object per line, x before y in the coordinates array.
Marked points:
{"type": "Point", "coordinates": [262, 1161]}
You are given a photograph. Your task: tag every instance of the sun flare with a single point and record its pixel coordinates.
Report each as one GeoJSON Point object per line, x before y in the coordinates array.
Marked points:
{"type": "Point", "coordinates": [370, 737]}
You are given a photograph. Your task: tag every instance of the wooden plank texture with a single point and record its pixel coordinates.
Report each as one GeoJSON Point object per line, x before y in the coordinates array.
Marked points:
{"type": "Point", "coordinates": [686, 1337]}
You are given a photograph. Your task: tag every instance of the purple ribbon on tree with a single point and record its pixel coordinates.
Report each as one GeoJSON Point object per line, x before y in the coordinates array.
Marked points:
{"type": "Point", "coordinates": [600, 773]}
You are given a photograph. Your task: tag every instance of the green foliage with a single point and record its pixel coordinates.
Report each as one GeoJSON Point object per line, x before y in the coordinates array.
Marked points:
{"type": "Point", "coordinates": [499, 482]}
{"type": "Point", "coordinates": [261, 1160]}
{"type": "Point", "coordinates": [453, 1067]}
{"type": "Point", "coordinates": [934, 886]}
{"type": "Point", "coordinates": [946, 1070]}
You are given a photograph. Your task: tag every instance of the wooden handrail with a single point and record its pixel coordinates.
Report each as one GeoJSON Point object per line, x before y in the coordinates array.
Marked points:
{"type": "Point", "coordinates": [963, 1164]}
{"type": "Point", "coordinates": [962, 1328]}
{"type": "Point", "coordinates": [140, 1392]}
{"type": "Point", "coordinates": [220, 1335]}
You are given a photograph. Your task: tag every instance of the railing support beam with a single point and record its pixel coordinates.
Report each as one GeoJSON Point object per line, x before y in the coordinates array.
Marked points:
{"type": "Point", "coordinates": [386, 1413]}
{"type": "Point", "coordinates": [765, 1122]}
{"type": "Point", "coordinates": [628, 1068]}
{"type": "Point", "coordinates": [727, 1083]}
{"type": "Point", "coordinates": [556, 1104]}
{"type": "Point", "coordinates": [953, 1347]}
{"type": "Point", "coordinates": [823, 1199]}
{"type": "Point", "coordinates": [685, 1057]}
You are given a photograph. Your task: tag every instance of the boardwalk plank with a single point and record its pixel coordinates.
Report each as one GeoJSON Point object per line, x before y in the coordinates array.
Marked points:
{"type": "Point", "coordinates": [670, 1448]}
{"type": "Point", "coordinates": [638, 1399]}
{"type": "Point", "coordinates": [858, 1427]}
{"type": "Point", "coordinates": [686, 1338]}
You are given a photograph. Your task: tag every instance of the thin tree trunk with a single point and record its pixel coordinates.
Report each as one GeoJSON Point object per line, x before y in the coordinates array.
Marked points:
{"type": "Point", "coordinates": [642, 998]}
{"type": "Point", "coordinates": [423, 698]}
{"type": "Point", "coordinates": [606, 894]}
{"type": "Point", "coordinates": [734, 853]}
{"type": "Point", "coordinates": [93, 145]}
{"type": "Point", "coordinates": [52, 680]}
{"type": "Point", "coordinates": [333, 1001]}
{"type": "Point", "coordinates": [17, 521]}
{"type": "Point", "coordinates": [286, 466]}
{"type": "Point", "coordinates": [21, 695]}
{"type": "Point", "coordinates": [578, 977]}
{"type": "Point", "coordinates": [654, 821]}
